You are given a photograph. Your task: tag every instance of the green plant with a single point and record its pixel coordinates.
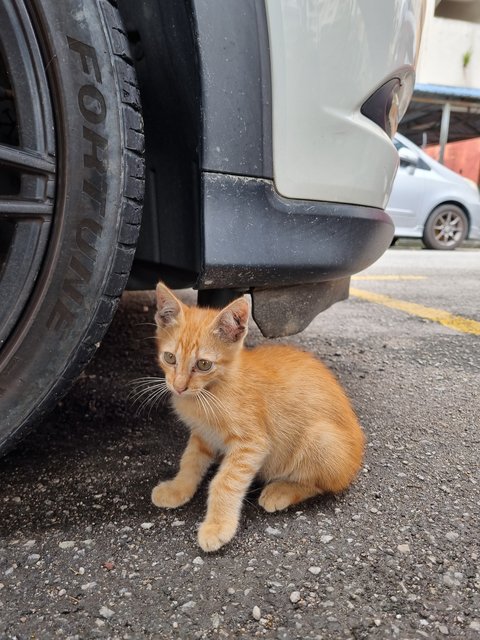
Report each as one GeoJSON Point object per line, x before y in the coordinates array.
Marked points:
{"type": "Point", "coordinates": [467, 56]}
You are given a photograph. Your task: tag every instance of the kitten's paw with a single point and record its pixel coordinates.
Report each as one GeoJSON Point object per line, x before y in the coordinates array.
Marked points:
{"type": "Point", "coordinates": [213, 535]}
{"type": "Point", "coordinates": [275, 497]}
{"type": "Point", "coordinates": [170, 495]}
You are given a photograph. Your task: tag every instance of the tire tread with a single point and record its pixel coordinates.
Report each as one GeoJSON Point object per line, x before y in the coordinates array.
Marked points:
{"type": "Point", "coordinates": [129, 228]}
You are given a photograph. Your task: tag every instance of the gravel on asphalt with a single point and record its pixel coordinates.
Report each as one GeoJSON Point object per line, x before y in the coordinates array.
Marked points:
{"type": "Point", "coordinates": [84, 553]}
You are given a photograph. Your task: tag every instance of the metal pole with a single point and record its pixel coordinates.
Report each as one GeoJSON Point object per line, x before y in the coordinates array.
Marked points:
{"type": "Point", "coordinates": [444, 126]}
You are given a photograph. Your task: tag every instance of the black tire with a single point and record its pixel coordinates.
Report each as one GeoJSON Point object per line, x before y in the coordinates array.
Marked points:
{"type": "Point", "coordinates": [90, 220]}
{"type": "Point", "coordinates": [446, 228]}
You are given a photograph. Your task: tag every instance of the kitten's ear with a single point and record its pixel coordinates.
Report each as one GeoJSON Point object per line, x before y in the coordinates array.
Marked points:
{"type": "Point", "coordinates": [169, 308]}
{"type": "Point", "coordinates": [232, 322]}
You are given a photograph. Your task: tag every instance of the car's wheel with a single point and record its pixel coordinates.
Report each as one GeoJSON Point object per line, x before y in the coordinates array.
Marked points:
{"type": "Point", "coordinates": [446, 228]}
{"type": "Point", "coordinates": [71, 184]}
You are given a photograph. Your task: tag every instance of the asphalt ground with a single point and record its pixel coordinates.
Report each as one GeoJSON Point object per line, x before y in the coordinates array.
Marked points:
{"type": "Point", "coordinates": [84, 554]}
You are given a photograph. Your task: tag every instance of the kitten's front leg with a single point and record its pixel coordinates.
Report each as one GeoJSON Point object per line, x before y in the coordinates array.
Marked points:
{"type": "Point", "coordinates": [194, 463]}
{"type": "Point", "coordinates": [225, 496]}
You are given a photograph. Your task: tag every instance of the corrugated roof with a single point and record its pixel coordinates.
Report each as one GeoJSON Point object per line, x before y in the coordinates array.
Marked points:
{"type": "Point", "coordinates": [424, 114]}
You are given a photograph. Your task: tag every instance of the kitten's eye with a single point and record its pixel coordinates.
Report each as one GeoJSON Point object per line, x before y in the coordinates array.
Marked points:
{"type": "Point", "coordinates": [169, 357]}
{"type": "Point", "coordinates": [203, 365]}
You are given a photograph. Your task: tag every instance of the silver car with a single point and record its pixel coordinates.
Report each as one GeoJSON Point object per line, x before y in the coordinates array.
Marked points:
{"type": "Point", "coordinates": [431, 202]}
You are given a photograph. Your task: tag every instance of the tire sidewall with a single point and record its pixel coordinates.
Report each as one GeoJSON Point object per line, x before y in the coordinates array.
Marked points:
{"type": "Point", "coordinates": [90, 180]}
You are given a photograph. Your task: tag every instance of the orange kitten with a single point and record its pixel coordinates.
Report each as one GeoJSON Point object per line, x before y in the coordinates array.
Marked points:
{"type": "Point", "coordinates": [273, 412]}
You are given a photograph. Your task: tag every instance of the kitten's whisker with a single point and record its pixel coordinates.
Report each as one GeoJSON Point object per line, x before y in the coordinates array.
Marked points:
{"type": "Point", "coordinates": [141, 402]}
{"type": "Point", "coordinates": [212, 395]}
{"type": "Point", "coordinates": [147, 382]}
{"type": "Point", "coordinates": [143, 385]}
{"type": "Point", "coordinates": [215, 400]}
{"type": "Point", "coordinates": [141, 397]}
{"type": "Point", "coordinates": [199, 399]}
{"type": "Point", "coordinates": [156, 399]}
{"type": "Point", "coordinates": [210, 410]}
{"type": "Point", "coordinates": [205, 407]}
{"type": "Point", "coordinates": [142, 390]}
{"type": "Point", "coordinates": [156, 378]}
{"type": "Point", "coordinates": [253, 504]}
{"type": "Point", "coordinates": [217, 404]}
{"type": "Point", "coordinates": [150, 399]}
{"type": "Point", "coordinates": [162, 394]}
{"type": "Point", "coordinates": [152, 390]}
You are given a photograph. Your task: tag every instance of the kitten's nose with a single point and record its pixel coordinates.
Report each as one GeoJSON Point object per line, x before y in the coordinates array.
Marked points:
{"type": "Point", "coordinates": [179, 388]}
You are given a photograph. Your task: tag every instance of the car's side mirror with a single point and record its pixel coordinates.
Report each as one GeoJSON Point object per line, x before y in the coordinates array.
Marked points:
{"type": "Point", "coordinates": [408, 159]}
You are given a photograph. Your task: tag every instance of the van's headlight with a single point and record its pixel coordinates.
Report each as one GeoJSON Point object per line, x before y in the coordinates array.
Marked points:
{"type": "Point", "coordinates": [387, 106]}
{"type": "Point", "coordinates": [471, 183]}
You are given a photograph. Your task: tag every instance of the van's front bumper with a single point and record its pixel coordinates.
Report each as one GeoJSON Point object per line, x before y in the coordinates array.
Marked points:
{"type": "Point", "coordinates": [256, 240]}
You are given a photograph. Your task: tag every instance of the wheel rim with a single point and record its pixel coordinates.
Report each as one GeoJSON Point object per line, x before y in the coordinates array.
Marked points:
{"type": "Point", "coordinates": [449, 228]}
{"type": "Point", "coordinates": [27, 163]}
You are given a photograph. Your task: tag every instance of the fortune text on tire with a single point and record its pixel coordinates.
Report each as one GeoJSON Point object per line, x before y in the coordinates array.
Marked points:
{"type": "Point", "coordinates": [93, 109]}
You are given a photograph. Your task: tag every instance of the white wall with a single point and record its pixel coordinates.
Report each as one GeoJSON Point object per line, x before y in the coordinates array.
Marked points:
{"type": "Point", "coordinates": [444, 43]}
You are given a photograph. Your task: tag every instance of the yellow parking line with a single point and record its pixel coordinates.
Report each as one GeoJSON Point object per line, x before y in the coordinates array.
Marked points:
{"type": "Point", "coordinates": [389, 277]}
{"type": "Point", "coordinates": [457, 323]}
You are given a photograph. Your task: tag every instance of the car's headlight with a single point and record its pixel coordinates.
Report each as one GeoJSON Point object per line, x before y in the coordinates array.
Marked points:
{"type": "Point", "coordinates": [471, 183]}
